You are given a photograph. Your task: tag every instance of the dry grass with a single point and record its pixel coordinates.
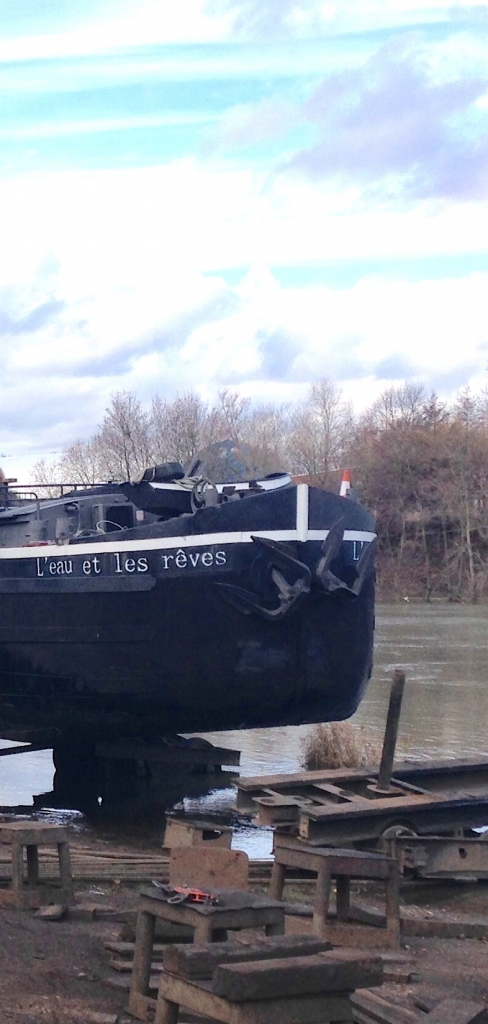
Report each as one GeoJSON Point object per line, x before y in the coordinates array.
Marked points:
{"type": "Point", "coordinates": [339, 745]}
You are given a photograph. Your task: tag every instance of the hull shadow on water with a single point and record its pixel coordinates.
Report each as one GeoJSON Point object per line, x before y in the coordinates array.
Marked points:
{"type": "Point", "coordinates": [132, 794]}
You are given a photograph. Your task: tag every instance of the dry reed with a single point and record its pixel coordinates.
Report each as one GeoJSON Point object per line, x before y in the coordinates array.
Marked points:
{"type": "Point", "coordinates": [339, 745]}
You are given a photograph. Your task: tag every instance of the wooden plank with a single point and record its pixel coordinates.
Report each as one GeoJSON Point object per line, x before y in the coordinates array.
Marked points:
{"type": "Point", "coordinates": [170, 754]}
{"type": "Point", "coordinates": [127, 948]}
{"type": "Point", "coordinates": [445, 928]}
{"type": "Point", "coordinates": [399, 975]}
{"type": "Point", "coordinates": [54, 912]}
{"type": "Point", "coordinates": [360, 1018]}
{"type": "Point", "coordinates": [33, 833]}
{"type": "Point", "coordinates": [249, 783]}
{"type": "Point", "coordinates": [200, 961]}
{"type": "Point", "coordinates": [460, 927]}
{"type": "Point", "coordinates": [401, 770]}
{"type": "Point", "coordinates": [126, 966]}
{"type": "Point", "coordinates": [373, 1007]}
{"type": "Point", "coordinates": [208, 866]}
{"type": "Point", "coordinates": [333, 971]}
{"type": "Point", "coordinates": [457, 1011]}
{"type": "Point", "coordinates": [185, 832]}
{"type": "Point", "coordinates": [354, 863]}
{"type": "Point", "coordinates": [301, 1010]}
{"type": "Point", "coordinates": [123, 983]}
{"type": "Point", "coordinates": [378, 806]}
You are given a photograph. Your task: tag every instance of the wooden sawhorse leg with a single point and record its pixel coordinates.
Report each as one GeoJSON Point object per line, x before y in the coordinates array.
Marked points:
{"type": "Point", "coordinates": [277, 883]}
{"type": "Point", "coordinates": [343, 897]}
{"type": "Point", "coordinates": [32, 865]}
{"type": "Point", "coordinates": [17, 867]}
{"type": "Point", "coordinates": [322, 900]}
{"type": "Point", "coordinates": [166, 1012]}
{"type": "Point", "coordinates": [141, 972]}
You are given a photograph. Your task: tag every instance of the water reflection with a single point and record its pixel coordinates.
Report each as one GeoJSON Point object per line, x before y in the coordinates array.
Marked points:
{"type": "Point", "coordinates": [24, 775]}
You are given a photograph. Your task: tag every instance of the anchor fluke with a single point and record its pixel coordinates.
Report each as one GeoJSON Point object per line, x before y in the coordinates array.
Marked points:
{"type": "Point", "coordinates": [366, 560]}
{"type": "Point", "coordinates": [289, 594]}
{"type": "Point", "coordinates": [330, 550]}
{"type": "Point", "coordinates": [356, 574]}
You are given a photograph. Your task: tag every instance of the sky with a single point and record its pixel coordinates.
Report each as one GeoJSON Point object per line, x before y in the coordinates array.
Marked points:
{"type": "Point", "coordinates": [244, 194]}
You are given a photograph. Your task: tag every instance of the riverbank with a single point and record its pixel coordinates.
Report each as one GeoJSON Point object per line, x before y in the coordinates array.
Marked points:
{"type": "Point", "coordinates": [59, 971]}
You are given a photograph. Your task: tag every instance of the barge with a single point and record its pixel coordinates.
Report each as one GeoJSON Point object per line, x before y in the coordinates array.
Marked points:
{"type": "Point", "coordinates": [210, 599]}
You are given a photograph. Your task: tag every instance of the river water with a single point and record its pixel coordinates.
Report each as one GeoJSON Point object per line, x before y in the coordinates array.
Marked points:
{"type": "Point", "coordinates": [444, 652]}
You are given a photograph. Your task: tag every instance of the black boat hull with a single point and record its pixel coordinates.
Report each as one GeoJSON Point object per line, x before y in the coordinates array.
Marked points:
{"type": "Point", "coordinates": [188, 631]}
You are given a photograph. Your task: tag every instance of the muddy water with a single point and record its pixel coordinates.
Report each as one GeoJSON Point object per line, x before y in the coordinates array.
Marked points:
{"type": "Point", "coordinates": [444, 651]}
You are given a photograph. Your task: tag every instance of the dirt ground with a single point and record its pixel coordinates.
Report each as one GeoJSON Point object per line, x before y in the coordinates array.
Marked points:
{"type": "Point", "coordinates": [55, 972]}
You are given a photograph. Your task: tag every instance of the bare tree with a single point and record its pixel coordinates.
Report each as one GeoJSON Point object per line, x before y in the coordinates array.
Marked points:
{"type": "Point", "coordinates": [178, 428]}
{"type": "Point", "coordinates": [321, 430]}
{"type": "Point", "coordinates": [265, 432]}
{"type": "Point", "coordinates": [47, 474]}
{"type": "Point", "coordinates": [83, 462]}
{"type": "Point", "coordinates": [233, 410]}
{"type": "Point", "coordinates": [401, 406]}
{"type": "Point", "coordinates": [124, 437]}
{"type": "Point", "coordinates": [467, 409]}
{"type": "Point", "coordinates": [434, 413]}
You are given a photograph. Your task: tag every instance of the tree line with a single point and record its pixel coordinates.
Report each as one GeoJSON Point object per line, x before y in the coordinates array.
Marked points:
{"type": "Point", "coordinates": [419, 464]}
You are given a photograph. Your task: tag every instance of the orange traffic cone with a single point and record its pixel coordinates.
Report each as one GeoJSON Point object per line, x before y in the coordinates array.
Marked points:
{"type": "Point", "coordinates": [345, 484]}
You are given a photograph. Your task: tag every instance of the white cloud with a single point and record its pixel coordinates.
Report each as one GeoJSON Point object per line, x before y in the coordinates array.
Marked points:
{"type": "Point", "coordinates": [145, 227]}
{"type": "Point", "coordinates": [58, 129]}
{"type": "Point", "coordinates": [112, 27]}
{"type": "Point", "coordinates": [111, 282]}
{"type": "Point", "coordinates": [301, 18]}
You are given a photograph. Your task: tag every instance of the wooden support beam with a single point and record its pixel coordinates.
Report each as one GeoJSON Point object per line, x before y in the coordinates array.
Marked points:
{"type": "Point", "coordinates": [25, 748]}
{"type": "Point", "coordinates": [199, 998]}
{"type": "Point", "coordinates": [172, 753]}
{"type": "Point", "coordinates": [339, 970]}
{"type": "Point", "coordinates": [200, 961]}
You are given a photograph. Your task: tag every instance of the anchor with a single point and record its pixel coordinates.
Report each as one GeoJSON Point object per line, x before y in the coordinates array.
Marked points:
{"type": "Point", "coordinates": [357, 574]}
{"type": "Point", "coordinates": [289, 594]}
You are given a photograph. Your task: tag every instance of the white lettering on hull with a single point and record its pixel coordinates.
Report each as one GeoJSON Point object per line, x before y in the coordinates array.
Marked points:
{"type": "Point", "coordinates": [193, 559]}
{"type": "Point", "coordinates": [54, 567]}
{"type": "Point", "coordinates": [120, 564]}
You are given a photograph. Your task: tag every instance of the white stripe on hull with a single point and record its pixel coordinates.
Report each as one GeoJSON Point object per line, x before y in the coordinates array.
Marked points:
{"type": "Point", "coordinates": [162, 543]}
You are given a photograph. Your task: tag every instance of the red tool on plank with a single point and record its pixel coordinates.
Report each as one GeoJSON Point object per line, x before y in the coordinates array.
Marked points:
{"type": "Point", "coordinates": [185, 894]}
